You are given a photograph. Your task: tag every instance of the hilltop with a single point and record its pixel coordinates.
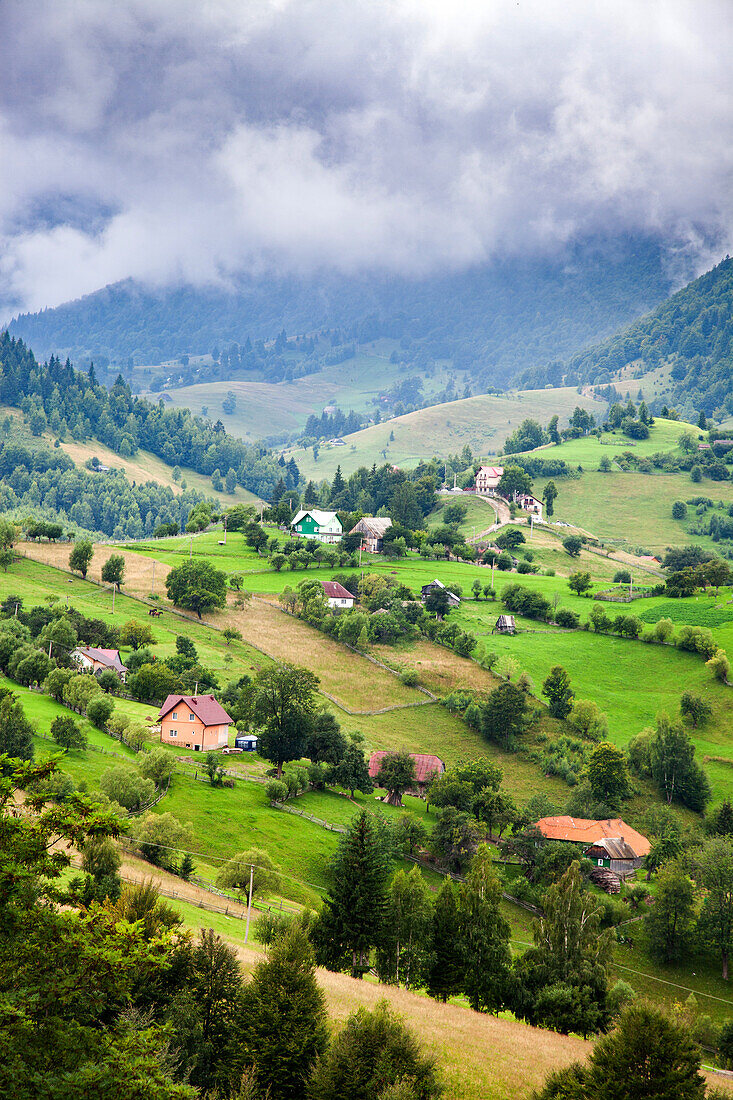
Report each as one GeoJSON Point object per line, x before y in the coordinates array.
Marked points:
{"type": "Point", "coordinates": [681, 353]}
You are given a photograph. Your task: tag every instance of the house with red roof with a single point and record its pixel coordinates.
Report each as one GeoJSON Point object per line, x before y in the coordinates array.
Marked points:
{"type": "Point", "coordinates": [426, 768]}
{"type": "Point", "coordinates": [195, 722]}
{"type": "Point", "coordinates": [488, 478]}
{"type": "Point", "coordinates": [337, 595]}
{"type": "Point", "coordinates": [92, 659]}
{"type": "Point", "coordinates": [631, 847]}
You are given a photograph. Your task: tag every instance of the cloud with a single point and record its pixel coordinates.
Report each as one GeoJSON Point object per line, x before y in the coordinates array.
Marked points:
{"type": "Point", "coordinates": [175, 141]}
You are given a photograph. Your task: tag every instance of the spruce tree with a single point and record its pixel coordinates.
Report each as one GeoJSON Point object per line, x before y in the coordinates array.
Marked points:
{"type": "Point", "coordinates": [484, 935]}
{"type": "Point", "coordinates": [352, 920]}
{"type": "Point", "coordinates": [445, 976]}
{"type": "Point", "coordinates": [402, 957]}
{"type": "Point", "coordinates": [285, 1018]}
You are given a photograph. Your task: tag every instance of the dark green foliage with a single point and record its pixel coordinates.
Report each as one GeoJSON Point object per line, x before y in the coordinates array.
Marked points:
{"type": "Point", "coordinates": [16, 732]}
{"type": "Point", "coordinates": [352, 919]}
{"type": "Point", "coordinates": [454, 839]}
{"type": "Point", "coordinates": [557, 690]}
{"type": "Point", "coordinates": [113, 570]}
{"type": "Point", "coordinates": [373, 1051]}
{"type": "Point", "coordinates": [446, 972]}
{"type": "Point", "coordinates": [283, 702]}
{"type": "Point", "coordinates": [484, 936]}
{"type": "Point", "coordinates": [525, 601]}
{"type": "Point", "coordinates": [504, 715]}
{"type": "Point", "coordinates": [693, 330]}
{"type": "Point", "coordinates": [67, 733]}
{"type": "Point", "coordinates": [396, 775]}
{"type": "Point", "coordinates": [352, 771]}
{"type": "Point", "coordinates": [326, 743]}
{"type": "Point", "coordinates": [197, 586]}
{"type": "Point", "coordinates": [573, 544]}
{"type": "Point", "coordinates": [99, 711]}
{"type": "Point", "coordinates": [607, 775]}
{"type": "Point", "coordinates": [284, 1018]}
{"type": "Point", "coordinates": [669, 921]}
{"type": "Point", "coordinates": [561, 983]}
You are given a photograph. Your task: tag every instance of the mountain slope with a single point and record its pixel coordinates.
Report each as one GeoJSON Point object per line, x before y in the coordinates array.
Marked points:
{"type": "Point", "coordinates": [689, 339]}
{"type": "Point", "coordinates": [494, 320]}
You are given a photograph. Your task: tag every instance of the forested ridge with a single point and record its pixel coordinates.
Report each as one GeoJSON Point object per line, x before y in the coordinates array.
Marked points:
{"type": "Point", "coordinates": [494, 320]}
{"type": "Point", "coordinates": [692, 331]}
{"type": "Point", "coordinates": [56, 396]}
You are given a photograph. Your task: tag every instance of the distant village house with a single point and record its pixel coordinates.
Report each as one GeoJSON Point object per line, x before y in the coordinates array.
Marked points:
{"type": "Point", "coordinates": [314, 524]}
{"type": "Point", "coordinates": [488, 478]}
{"type": "Point", "coordinates": [372, 530]}
{"type": "Point", "coordinates": [453, 600]}
{"type": "Point", "coordinates": [609, 844]}
{"type": "Point", "coordinates": [195, 722]}
{"type": "Point", "coordinates": [96, 661]}
{"type": "Point", "coordinates": [337, 595]}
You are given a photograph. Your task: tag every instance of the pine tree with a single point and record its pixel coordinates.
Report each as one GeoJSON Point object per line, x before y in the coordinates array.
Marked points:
{"type": "Point", "coordinates": [339, 484]}
{"type": "Point", "coordinates": [352, 921]}
{"type": "Point", "coordinates": [446, 968]}
{"type": "Point", "coordinates": [484, 935]}
{"type": "Point", "coordinates": [187, 867]}
{"type": "Point", "coordinates": [286, 1018]}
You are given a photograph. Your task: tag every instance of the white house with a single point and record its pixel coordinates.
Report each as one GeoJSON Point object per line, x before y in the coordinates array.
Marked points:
{"type": "Point", "coordinates": [337, 595]}
{"type": "Point", "coordinates": [528, 503]}
{"type": "Point", "coordinates": [488, 478]}
{"type": "Point", "coordinates": [314, 524]}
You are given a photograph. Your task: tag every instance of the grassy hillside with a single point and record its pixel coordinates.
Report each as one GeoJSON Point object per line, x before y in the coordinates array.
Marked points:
{"type": "Point", "coordinates": [266, 409]}
{"type": "Point", "coordinates": [482, 422]}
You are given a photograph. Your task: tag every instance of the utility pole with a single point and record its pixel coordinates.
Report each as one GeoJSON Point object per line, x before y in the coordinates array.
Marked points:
{"type": "Point", "coordinates": [493, 563]}
{"type": "Point", "coordinates": [249, 900]}
{"type": "Point", "coordinates": [225, 529]}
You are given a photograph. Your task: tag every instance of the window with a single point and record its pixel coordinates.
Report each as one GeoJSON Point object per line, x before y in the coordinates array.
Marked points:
{"type": "Point", "coordinates": [174, 716]}
{"type": "Point", "coordinates": [190, 718]}
{"type": "Point", "coordinates": [174, 733]}
{"type": "Point", "coordinates": [600, 862]}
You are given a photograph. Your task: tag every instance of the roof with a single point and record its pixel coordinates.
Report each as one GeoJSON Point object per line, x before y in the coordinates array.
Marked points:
{"type": "Point", "coordinates": [432, 584]}
{"type": "Point", "coordinates": [372, 525]}
{"type": "Point", "coordinates": [505, 620]}
{"type": "Point", "coordinates": [490, 471]}
{"type": "Point", "coordinates": [336, 591]}
{"type": "Point", "coordinates": [425, 765]}
{"type": "Point", "coordinates": [204, 707]}
{"type": "Point", "coordinates": [109, 657]}
{"type": "Point", "coordinates": [323, 519]}
{"type": "Point", "coordinates": [614, 847]}
{"type": "Point", "coordinates": [582, 831]}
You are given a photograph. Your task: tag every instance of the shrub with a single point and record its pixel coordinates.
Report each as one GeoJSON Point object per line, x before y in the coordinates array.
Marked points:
{"type": "Point", "coordinates": [276, 791]}
{"type": "Point", "coordinates": [100, 710]}
{"type": "Point", "coordinates": [679, 509]}
{"type": "Point", "coordinates": [564, 616]}
{"type": "Point", "coordinates": [409, 677]}
{"type": "Point", "coordinates": [623, 576]}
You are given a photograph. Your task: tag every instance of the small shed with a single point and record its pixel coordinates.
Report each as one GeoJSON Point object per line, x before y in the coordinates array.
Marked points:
{"type": "Point", "coordinates": [246, 741]}
{"type": "Point", "coordinates": [505, 625]}
{"type": "Point", "coordinates": [614, 854]}
{"type": "Point", "coordinates": [453, 600]}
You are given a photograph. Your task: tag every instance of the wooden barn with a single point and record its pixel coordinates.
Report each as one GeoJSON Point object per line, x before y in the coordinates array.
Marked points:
{"type": "Point", "coordinates": [505, 625]}
{"type": "Point", "coordinates": [426, 768]}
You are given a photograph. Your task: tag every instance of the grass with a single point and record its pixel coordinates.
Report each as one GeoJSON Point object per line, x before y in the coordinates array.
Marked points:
{"type": "Point", "coordinates": [664, 435]}
{"type": "Point", "coordinates": [275, 409]}
{"type": "Point", "coordinates": [146, 466]}
{"type": "Point", "coordinates": [482, 422]}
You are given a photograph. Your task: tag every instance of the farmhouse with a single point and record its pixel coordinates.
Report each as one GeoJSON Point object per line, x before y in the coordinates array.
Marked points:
{"type": "Point", "coordinates": [314, 524]}
{"type": "Point", "coordinates": [616, 840]}
{"type": "Point", "coordinates": [195, 722]}
{"type": "Point", "coordinates": [488, 478]}
{"type": "Point", "coordinates": [426, 768]}
{"type": "Point", "coordinates": [90, 659]}
{"type": "Point", "coordinates": [372, 530]}
{"type": "Point", "coordinates": [453, 600]}
{"type": "Point", "coordinates": [337, 595]}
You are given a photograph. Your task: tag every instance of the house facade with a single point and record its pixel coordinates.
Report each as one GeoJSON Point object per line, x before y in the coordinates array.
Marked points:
{"type": "Point", "coordinates": [528, 503]}
{"type": "Point", "coordinates": [372, 530]}
{"type": "Point", "coordinates": [615, 854]}
{"type": "Point", "coordinates": [195, 722]}
{"type": "Point", "coordinates": [314, 524]}
{"type": "Point", "coordinates": [338, 596]}
{"type": "Point", "coordinates": [94, 660]}
{"type": "Point", "coordinates": [488, 478]}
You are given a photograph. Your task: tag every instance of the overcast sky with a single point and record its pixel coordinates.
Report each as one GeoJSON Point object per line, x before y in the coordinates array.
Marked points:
{"type": "Point", "coordinates": [173, 140]}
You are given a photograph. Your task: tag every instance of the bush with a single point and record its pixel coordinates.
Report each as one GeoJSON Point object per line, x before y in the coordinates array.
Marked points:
{"type": "Point", "coordinates": [276, 791]}
{"type": "Point", "coordinates": [100, 710]}
{"type": "Point", "coordinates": [67, 734]}
{"type": "Point", "coordinates": [564, 616]}
{"type": "Point", "coordinates": [679, 509]}
{"type": "Point", "coordinates": [410, 677]}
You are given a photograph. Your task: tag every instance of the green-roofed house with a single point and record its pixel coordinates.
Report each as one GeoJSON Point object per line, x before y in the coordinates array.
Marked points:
{"type": "Point", "coordinates": [314, 524]}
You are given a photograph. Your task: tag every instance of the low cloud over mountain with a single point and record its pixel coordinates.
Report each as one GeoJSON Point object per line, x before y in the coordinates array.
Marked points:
{"type": "Point", "coordinates": [178, 141]}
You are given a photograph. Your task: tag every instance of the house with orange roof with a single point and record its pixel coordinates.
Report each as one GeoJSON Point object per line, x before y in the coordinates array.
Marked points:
{"type": "Point", "coordinates": [610, 843]}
